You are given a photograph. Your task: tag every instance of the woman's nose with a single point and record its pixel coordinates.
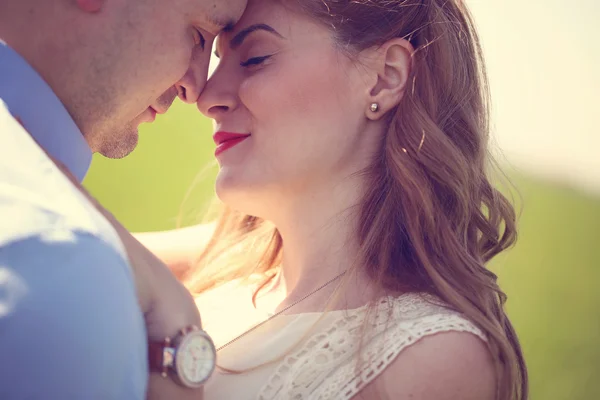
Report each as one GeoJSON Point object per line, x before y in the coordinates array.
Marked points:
{"type": "Point", "coordinates": [218, 97]}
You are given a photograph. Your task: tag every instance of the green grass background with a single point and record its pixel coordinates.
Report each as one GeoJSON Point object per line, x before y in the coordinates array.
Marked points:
{"type": "Point", "coordinates": [551, 276]}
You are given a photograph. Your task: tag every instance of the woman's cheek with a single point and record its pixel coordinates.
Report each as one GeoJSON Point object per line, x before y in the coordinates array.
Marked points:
{"type": "Point", "coordinates": [261, 91]}
{"type": "Point", "coordinates": [277, 87]}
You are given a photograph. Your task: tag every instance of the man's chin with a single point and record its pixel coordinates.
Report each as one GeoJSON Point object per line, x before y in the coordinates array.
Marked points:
{"type": "Point", "coordinates": [121, 145]}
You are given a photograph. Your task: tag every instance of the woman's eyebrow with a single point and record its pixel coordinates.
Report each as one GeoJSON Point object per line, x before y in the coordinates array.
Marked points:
{"type": "Point", "coordinates": [239, 38]}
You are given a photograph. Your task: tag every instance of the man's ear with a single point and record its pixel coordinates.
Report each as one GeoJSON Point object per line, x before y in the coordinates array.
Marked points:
{"type": "Point", "coordinates": [392, 64]}
{"type": "Point", "coordinates": [90, 6]}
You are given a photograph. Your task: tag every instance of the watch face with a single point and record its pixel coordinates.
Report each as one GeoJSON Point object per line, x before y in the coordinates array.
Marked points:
{"type": "Point", "coordinates": [195, 359]}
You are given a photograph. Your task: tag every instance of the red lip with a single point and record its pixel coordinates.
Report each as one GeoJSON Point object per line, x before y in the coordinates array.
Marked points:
{"type": "Point", "coordinates": [226, 140]}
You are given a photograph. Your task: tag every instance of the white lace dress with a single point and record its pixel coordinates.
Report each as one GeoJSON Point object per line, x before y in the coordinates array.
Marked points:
{"type": "Point", "coordinates": [323, 363]}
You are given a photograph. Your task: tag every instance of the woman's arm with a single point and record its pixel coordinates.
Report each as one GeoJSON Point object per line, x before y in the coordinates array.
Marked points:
{"type": "Point", "coordinates": [178, 248]}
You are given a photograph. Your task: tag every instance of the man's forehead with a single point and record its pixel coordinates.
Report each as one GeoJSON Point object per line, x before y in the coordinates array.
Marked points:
{"type": "Point", "coordinates": [223, 14]}
{"type": "Point", "coordinates": [221, 22]}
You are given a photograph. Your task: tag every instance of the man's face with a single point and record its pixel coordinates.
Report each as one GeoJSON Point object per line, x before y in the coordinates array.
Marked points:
{"type": "Point", "coordinates": [148, 53]}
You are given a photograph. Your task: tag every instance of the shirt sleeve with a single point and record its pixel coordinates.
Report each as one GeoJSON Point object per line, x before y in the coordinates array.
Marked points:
{"type": "Point", "coordinates": [70, 324]}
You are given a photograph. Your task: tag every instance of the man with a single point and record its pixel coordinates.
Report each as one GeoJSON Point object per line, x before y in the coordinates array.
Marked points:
{"type": "Point", "coordinates": [78, 295]}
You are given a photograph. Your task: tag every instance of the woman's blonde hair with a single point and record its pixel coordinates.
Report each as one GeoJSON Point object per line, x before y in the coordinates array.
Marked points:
{"type": "Point", "coordinates": [430, 220]}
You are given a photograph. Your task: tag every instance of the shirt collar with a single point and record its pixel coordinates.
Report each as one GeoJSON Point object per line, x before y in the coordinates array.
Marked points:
{"type": "Point", "coordinates": [34, 104]}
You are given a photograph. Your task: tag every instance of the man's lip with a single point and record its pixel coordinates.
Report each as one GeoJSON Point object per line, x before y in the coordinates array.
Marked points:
{"type": "Point", "coordinates": [152, 115]}
{"type": "Point", "coordinates": [158, 110]}
{"type": "Point", "coordinates": [222, 137]}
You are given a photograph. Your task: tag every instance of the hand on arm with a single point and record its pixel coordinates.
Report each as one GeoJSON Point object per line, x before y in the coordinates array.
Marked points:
{"type": "Point", "coordinates": [167, 305]}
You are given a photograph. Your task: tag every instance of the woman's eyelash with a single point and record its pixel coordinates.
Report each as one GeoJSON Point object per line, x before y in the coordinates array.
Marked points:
{"type": "Point", "coordinates": [254, 61]}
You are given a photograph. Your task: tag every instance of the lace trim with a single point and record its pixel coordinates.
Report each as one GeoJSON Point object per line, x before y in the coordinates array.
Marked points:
{"type": "Point", "coordinates": [326, 367]}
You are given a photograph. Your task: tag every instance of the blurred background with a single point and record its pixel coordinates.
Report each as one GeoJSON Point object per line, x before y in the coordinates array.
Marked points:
{"type": "Point", "coordinates": [543, 60]}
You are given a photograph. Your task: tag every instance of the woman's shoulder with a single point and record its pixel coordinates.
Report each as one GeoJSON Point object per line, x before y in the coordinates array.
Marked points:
{"type": "Point", "coordinates": [444, 365]}
{"type": "Point", "coordinates": [427, 350]}
{"type": "Point", "coordinates": [422, 347]}
{"type": "Point", "coordinates": [359, 345]}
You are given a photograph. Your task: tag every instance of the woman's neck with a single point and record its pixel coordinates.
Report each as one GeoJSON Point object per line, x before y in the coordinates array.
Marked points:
{"type": "Point", "coordinates": [320, 242]}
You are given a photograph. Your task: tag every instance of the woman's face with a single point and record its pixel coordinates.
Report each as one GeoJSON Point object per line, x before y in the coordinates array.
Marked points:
{"type": "Point", "coordinates": [299, 103]}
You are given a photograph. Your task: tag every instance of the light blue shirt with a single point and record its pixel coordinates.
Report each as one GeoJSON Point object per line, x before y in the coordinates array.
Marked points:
{"type": "Point", "coordinates": [70, 323]}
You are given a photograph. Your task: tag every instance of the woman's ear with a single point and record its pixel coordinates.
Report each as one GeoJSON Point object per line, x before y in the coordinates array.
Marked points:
{"type": "Point", "coordinates": [391, 63]}
{"type": "Point", "coordinates": [90, 6]}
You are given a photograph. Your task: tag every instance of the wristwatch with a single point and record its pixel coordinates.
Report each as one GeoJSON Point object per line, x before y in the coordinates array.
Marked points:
{"type": "Point", "coordinates": [190, 357]}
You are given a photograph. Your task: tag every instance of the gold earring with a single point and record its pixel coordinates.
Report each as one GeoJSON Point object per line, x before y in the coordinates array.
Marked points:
{"type": "Point", "coordinates": [374, 107]}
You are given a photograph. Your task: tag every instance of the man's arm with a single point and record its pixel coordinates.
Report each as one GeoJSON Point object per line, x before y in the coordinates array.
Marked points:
{"type": "Point", "coordinates": [70, 324]}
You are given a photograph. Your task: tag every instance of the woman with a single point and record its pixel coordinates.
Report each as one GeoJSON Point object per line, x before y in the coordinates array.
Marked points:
{"type": "Point", "coordinates": [349, 261]}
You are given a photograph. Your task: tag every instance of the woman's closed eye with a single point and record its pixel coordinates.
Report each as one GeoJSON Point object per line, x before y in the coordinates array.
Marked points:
{"type": "Point", "coordinates": [254, 61]}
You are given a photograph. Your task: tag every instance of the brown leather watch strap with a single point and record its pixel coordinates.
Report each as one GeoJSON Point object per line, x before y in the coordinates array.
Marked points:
{"type": "Point", "coordinates": [156, 351]}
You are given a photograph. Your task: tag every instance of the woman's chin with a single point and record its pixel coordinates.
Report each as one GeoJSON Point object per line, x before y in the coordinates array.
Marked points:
{"type": "Point", "coordinates": [237, 196]}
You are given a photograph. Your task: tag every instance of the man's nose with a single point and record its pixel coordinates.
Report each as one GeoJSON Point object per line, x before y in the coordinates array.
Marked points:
{"type": "Point", "coordinates": [191, 84]}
